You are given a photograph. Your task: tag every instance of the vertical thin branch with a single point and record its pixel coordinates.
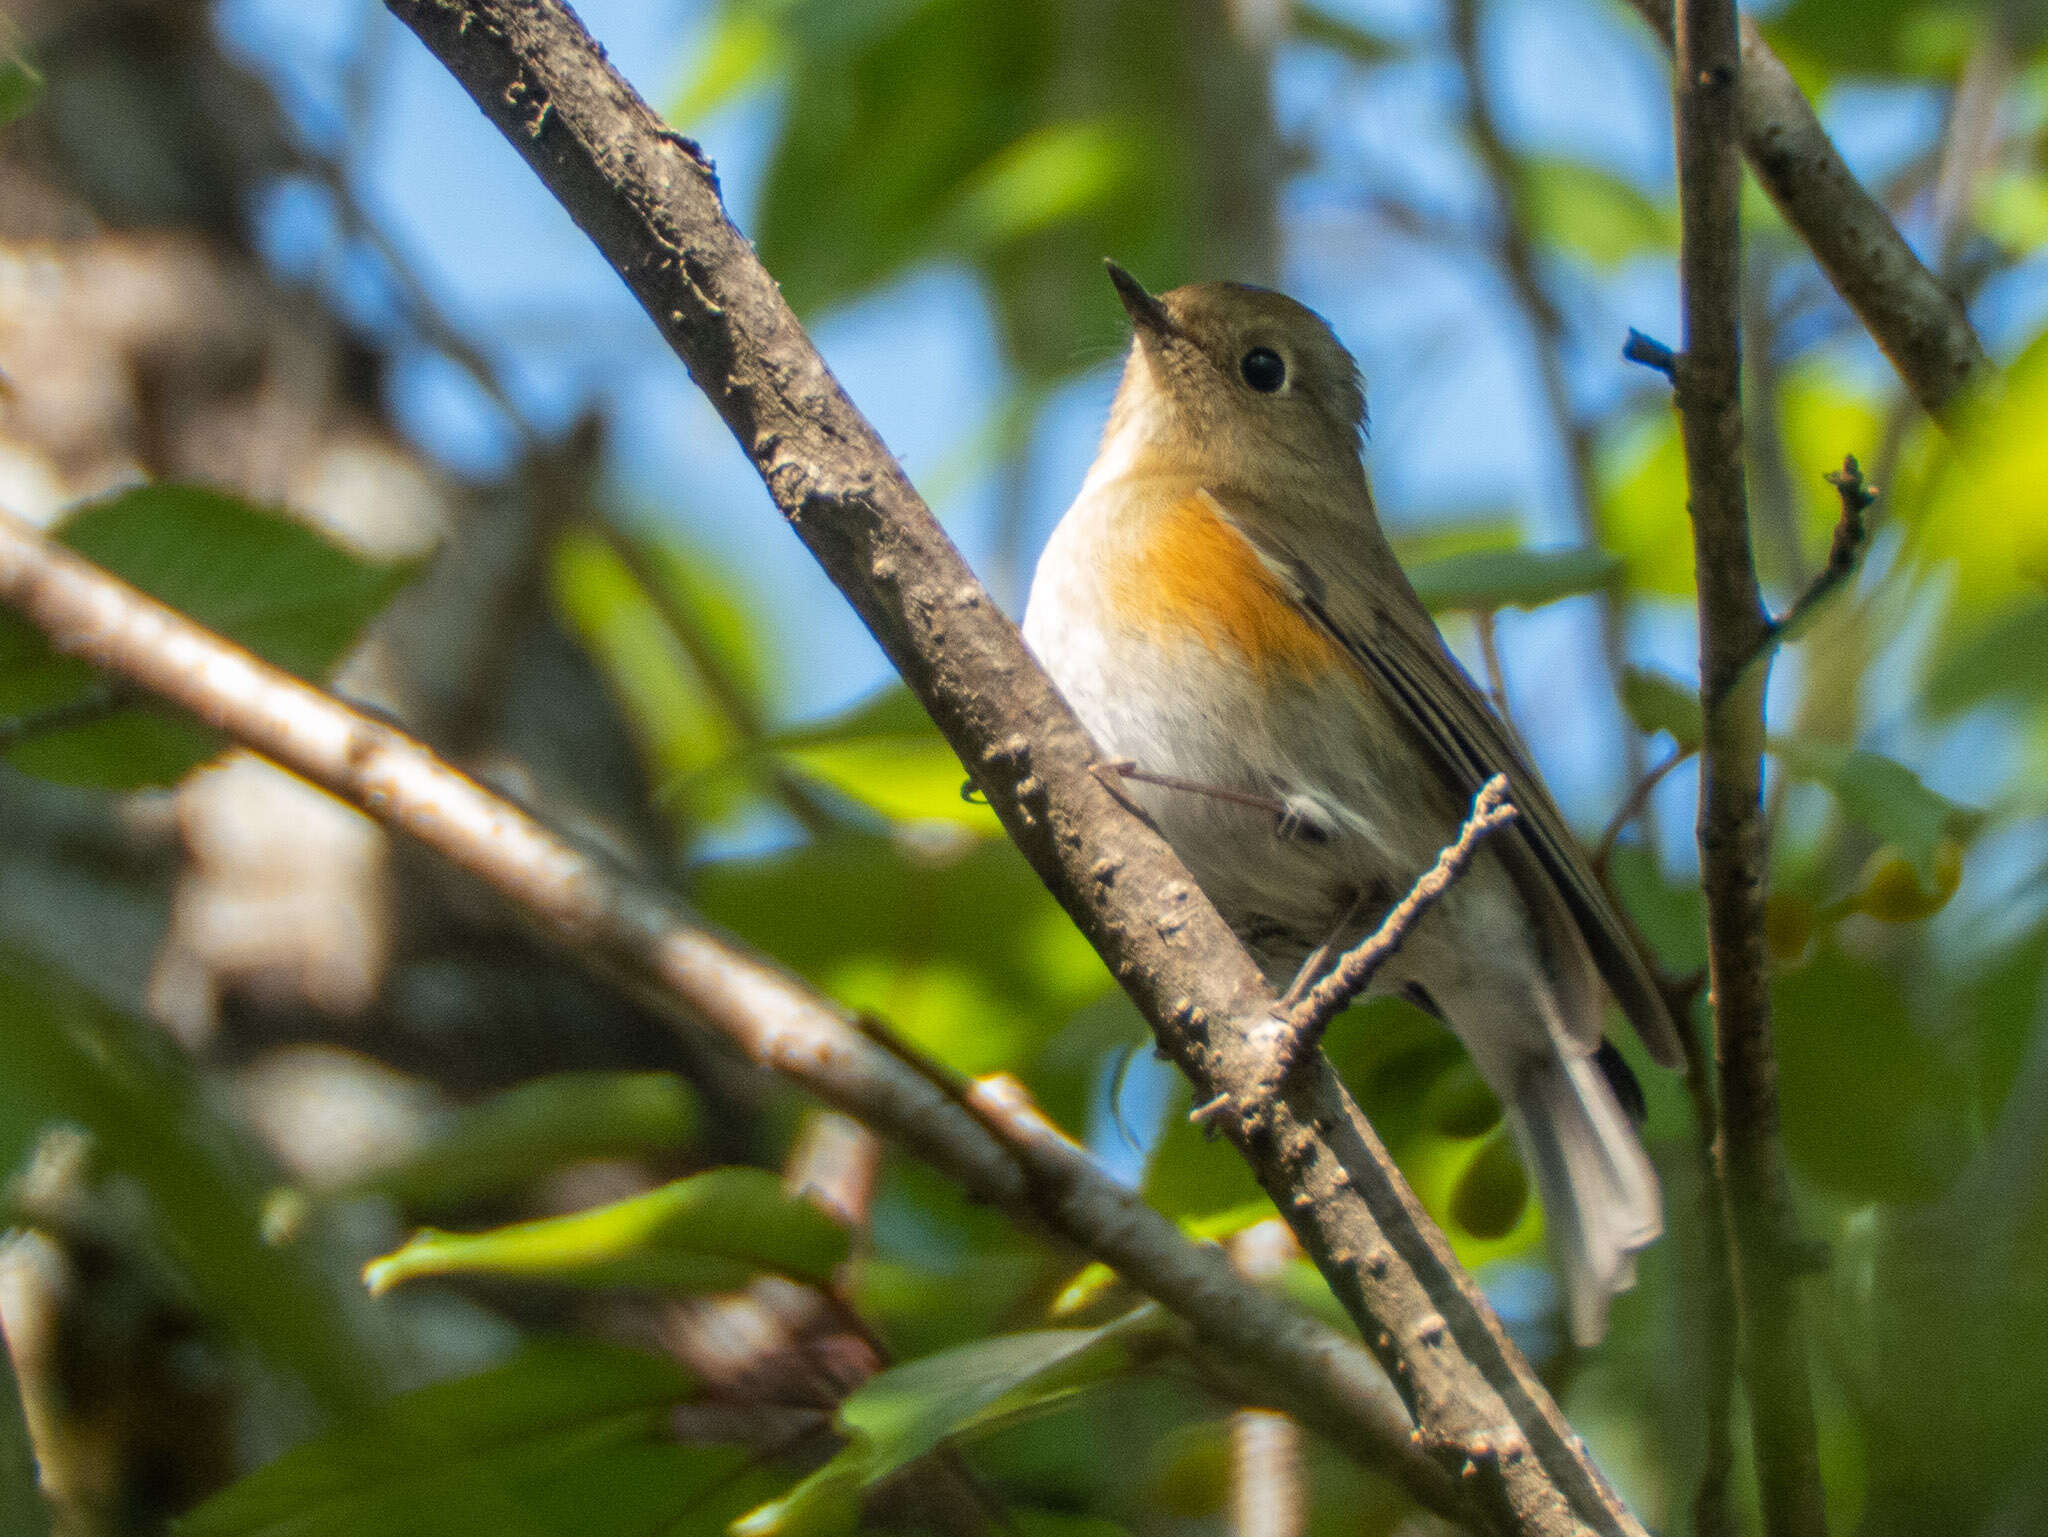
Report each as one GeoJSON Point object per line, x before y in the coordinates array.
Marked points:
{"type": "Point", "coordinates": [1267, 1493]}
{"type": "Point", "coordinates": [1735, 629]}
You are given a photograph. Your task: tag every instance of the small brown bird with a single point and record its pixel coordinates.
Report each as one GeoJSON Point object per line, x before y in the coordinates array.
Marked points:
{"type": "Point", "coordinates": [1221, 608]}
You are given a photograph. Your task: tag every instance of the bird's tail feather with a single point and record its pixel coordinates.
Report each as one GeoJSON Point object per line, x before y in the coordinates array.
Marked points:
{"type": "Point", "coordinates": [1600, 1198]}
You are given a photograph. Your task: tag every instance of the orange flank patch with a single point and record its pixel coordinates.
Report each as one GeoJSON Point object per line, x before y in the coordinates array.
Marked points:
{"type": "Point", "coordinates": [1196, 578]}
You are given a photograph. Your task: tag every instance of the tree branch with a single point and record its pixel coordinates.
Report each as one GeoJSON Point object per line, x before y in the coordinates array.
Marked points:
{"type": "Point", "coordinates": [1912, 316]}
{"type": "Point", "coordinates": [1735, 632]}
{"type": "Point", "coordinates": [639, 937]}
{"type": "Point", "coordinates": [648, 199]}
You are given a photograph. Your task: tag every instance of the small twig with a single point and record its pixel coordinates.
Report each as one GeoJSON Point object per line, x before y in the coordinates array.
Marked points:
{"type": "Point", "coordinates": [1651, 353]}
{"type": "Point", "coordinates": [1489, 653]}
{"type": "Point", "coordinates": [636, 935]}
{"type": "Point", "coordinates": [1852, 538]}
{"type": "Point", "coordinates": [1124, 769]}
{"type": "Point", "coordinates": [1354, 973]}
{"type": "Point", "coordinates": [96, 704]}
{"type": "Point", "coordinates": [1638, 797]}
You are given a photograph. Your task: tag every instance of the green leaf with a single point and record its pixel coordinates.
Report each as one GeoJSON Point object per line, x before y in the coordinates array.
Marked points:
{"type": "Point", "coordinates": [1315, 24]}
{"type": "Point", "coordinates": [1656, 702]}
{"type": "Point", "coordinates": [1874, 1109]}
{"type": "Point", "coordinates": [258, 578]}
{"type": "Point", "coordinates": [529, 1449]}
{"type": "Point", "coordinates": [744, 50]}
{"type": "Point", "coordinates": [709, 1232]}
{"type": "Point", "coordinates": [1482, 580]}
{"type": "Point", "coordinates": [518, 1136]}
{"type": "Point", "coordinates": [71, 1058]}
{"type": "Point", "coordinates": [1592, 213]}
{"type": "Point", "coordinates": [1054, 173]}
{"type": "Point", "coordinates": [904, 1413]}
{"type": "Point", "coordinates": [886, 754]}
{"type": "Point", "coordinates": [2005, 656]}
{"type": "Point", "coordinates": [965, 954]}
{"type": "Point", "coordinates": [687, 731]}
{"type": "Point", "coordinates": [1884, 796]}
{"type": "Point", "coordinates": [22, 1510]}
{"type": "Point", "coordinates": [1642, 504]}
{"type": "Point", "coordinates": [21, 85]}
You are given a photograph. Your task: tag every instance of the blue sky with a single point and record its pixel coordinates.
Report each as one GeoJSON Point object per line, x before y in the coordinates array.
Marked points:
{"type": "Point", "coordinates": [1457, 423]}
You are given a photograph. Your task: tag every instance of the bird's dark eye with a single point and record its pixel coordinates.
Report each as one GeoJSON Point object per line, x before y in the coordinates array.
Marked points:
{"type": "Point", "coordinates": [1263, 370]}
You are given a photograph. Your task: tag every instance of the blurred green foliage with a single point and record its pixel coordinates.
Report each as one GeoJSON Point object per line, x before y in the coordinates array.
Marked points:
{"type": "Point", "coordinates": [1908, 876]}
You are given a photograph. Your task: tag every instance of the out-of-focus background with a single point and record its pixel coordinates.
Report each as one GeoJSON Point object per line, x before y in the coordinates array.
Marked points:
{"type": "Point", "coordinates": [248, 1044]}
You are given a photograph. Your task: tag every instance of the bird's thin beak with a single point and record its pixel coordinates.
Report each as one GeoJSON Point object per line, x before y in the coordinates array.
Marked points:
{"type": "Point", "coordinates": [1146, 312]}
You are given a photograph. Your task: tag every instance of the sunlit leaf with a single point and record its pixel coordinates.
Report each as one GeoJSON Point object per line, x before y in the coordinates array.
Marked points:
{"type": "Point", "coordinates": [70, 1058]}
{"type": "Point", "coordinates": [904, 1413]}
{"type": "Point", "coordinates": [685, 725]}
{"type": "Point", "coordinates": [263, 580]}
{"type": "Point", "coordinates": [1656, 702]}
{"type": "Point", "coordinates": [886, 754]}
{"type": "Point", "coordinates": [1884, 796]}
{"type": "Point", "coordinates": [2005, 657]}
{"type": "Point", "coordinates": [513, 1138]}
{"type": "Point", "coordinates": [528, 1449]}
{"type": "Point", "coordinates": [1875, 37]}
{"type": "Point", "coordinates": [964, 954]}
{"type": "Point", "coordinates": [1053, 173]}
{"type": "Point", "coordinates": [709, 1232]}
{"type": "Point", "coordinates": [1642, 506]}
{"type": "Point", "coordinates": [743, 51]}
{"type": "Point", "coordinates": [1981, 521]}
{"type": "Point", "coordinates": [1515, 578]}
{"type": "Point", "coordinates": [1591, 212]}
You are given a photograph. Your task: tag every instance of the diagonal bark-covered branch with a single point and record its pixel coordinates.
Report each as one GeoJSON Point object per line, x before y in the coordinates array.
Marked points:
{"type": "Point", "coordinates": [1913, 317]}
{"type": "Point", "coordinates": [1735, 632]}
{"type": "Point", "coordinates": [999, 1151]}
{"type": "Point", "coordinates": [649, 200]}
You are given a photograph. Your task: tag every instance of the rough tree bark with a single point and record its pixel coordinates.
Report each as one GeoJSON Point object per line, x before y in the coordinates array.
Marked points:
{"type": "Point", "coordinates": [649, 200]}
{"type": "Point", "coordinates": [1909, 312]}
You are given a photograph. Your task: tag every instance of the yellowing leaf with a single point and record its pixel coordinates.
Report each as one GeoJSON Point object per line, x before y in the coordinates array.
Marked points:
{"type": "Point", "coordinates": [1642, 506]}
{"type": "Point", "coordinates": [1592, 212]}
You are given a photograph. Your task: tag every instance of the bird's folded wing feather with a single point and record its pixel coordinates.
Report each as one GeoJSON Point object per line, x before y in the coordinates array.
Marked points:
{"type": "Point", "coordinates": [1392, 637]}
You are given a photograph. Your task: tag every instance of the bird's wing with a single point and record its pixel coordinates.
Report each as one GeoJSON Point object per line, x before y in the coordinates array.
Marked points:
{"type": "Point", "coordinates": [1390, 634]}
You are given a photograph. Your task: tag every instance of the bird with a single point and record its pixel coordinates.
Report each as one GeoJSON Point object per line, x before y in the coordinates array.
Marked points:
{"type": "Point", "coordinates": [1223, 612]}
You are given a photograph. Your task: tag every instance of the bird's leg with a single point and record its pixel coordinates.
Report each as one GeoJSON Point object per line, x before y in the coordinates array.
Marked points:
{"type": "Point", "coordinates": [1319, 958]}
{"type": "Point", "coordinates": [1296, 818]}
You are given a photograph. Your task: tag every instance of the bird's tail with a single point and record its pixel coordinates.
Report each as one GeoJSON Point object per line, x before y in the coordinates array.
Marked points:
{"type": "Point", "coordinates": [1600, 1198]}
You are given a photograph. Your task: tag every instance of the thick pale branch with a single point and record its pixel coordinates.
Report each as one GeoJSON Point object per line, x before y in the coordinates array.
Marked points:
{"type": "Point", "coordinates": [641, 938]}
{"type": "Point", "coordinates": [1735, 632]}
{"type": "Point", "coordinates": [649, 201]}
{"type": "Point", "coordinates": [1920, 325]}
